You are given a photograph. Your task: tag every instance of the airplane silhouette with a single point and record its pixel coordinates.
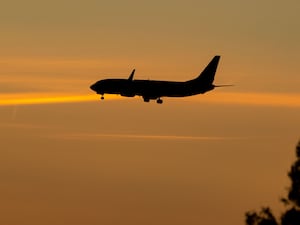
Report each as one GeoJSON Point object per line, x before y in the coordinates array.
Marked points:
{"type": "Point", "coordinates": [155, 90]}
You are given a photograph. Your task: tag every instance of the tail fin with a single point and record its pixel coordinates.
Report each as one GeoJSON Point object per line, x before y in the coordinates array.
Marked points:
{"type": "Point", "coordinates": [208, 74]}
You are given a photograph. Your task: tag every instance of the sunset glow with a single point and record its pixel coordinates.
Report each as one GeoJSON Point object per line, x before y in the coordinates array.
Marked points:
{"type": "Point", "coordinates": [259, 99]}
{"type": "Point", "coordinates": [141, 136]}
{"type": "Point", "coordinates": [33, 99]}
{"type": "Point", "coordinates": [67, 157]}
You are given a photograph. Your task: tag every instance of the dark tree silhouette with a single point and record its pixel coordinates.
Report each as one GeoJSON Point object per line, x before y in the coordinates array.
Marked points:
{"type": "Point", "coordinates": [291, 217]}
{"type": "Point", "coordinates": [294, 174]}
{"type": "Point", "coordinates": [264, 217]}
{"type": "Point", "coordinates": [292, 202]}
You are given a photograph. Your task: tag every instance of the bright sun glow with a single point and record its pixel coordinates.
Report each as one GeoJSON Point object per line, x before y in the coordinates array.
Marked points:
{"type": "Point", "coordinates": [263, 99]}
{"type": "Point", "coordinates": [32, 99]}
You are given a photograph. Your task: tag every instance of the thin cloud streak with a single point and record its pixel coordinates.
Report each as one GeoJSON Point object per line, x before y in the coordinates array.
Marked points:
{"type": "Point", "coordinates": [142, 136]}
{"type": "Point", "coordinates": [257, 99]}
{"type": "Point", "coordinates": [21, 125]}
{"type": "Point", "coordinates": [38, 99]}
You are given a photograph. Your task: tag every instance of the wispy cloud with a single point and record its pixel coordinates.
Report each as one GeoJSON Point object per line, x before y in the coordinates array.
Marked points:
{"type": "Point", "coordinates": [85, 136]}
{"type": "Point", "coordinates": [21, 125]}
{"type": "Point", "coordinates": [31, 99]}
{"type": "Point", "coordinates": [42, 98]}
{"type": "Point", "coordinates": [256, 99]}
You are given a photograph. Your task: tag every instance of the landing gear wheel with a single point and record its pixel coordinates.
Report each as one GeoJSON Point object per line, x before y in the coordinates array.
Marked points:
{"type": "Point", "coordinates": [159, 101]}
{"type": "Point", "coordinates": [102, 97]}
{"type": "Point", "coordinates": [146, 99]}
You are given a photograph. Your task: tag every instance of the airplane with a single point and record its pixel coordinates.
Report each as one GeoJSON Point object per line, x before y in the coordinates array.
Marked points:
{"type": "Point", "coordinates": [155, 89]}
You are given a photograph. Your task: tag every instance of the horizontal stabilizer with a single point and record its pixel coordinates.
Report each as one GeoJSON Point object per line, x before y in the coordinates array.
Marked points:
{"type": "Point", "coordinates": [224, 85]}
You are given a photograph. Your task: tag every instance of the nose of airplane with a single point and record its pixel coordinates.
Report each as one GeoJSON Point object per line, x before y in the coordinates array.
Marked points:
{"type": "Point", "coordinates": [93, 87]}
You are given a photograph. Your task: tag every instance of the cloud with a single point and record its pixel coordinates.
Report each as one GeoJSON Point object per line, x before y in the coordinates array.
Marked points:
{"type": "Point", "coordinates": [44, 98]}
{"type": "Point", "coordinates": [85, 136]}
{"type": "Point", "coordinates": [21, 125]}
{"type": "Point", "coordinates": [256, 99]}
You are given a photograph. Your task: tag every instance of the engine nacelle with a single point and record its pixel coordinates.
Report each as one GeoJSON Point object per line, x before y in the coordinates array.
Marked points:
{"type": "Point", "coordinates": [128, 94]}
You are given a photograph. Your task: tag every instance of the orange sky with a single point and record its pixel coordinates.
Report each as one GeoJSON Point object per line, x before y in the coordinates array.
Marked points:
{"type": "Point", "coordinates": [68, 158]}
{"type": "Point", "coordinates": [256, 99]}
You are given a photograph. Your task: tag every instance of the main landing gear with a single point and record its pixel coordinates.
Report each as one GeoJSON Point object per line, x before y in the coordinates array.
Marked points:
{"type": "Point", "coordinates": [146, 99]}
{"type": "Point", "coordinates": [102, 97]}
{"type": "Point", "coordinates": [159, 101]}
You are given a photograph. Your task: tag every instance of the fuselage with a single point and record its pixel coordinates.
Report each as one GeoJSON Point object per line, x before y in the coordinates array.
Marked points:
{"type": "Point", "coordinates": [151, 89]}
